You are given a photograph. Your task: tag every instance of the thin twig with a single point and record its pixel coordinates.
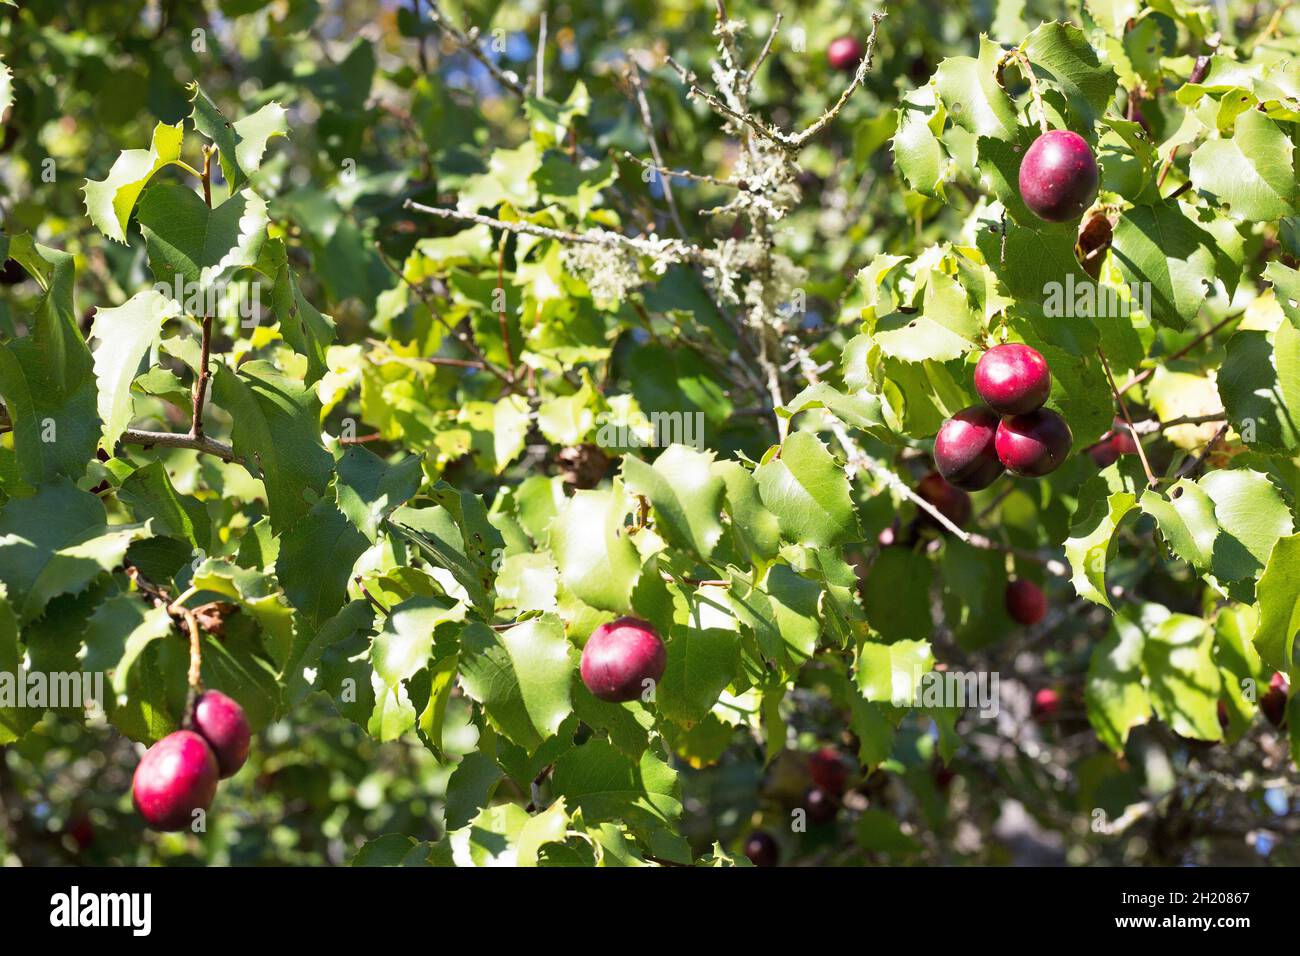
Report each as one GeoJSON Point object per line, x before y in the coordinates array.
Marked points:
{"type": "Point", "coordinates": [468, 41]}
{"type": "Point", "coordinates": [859, 77]}
{"type": "Point", "coordinates": [1128, 419]}
{"type": "Point", "coordinates": [202, 443]}
{"type": "Point", "coordinates": [763, 53]}
{"type": "Point", "coordinates": [374, 602]}
{"type": "Point", "coordinates": [1192, 465]}
{"type": "Point", "coordinates": [678, 173]}
{"type": "Point", "coordinates": [1145, 374]}
{"type": "Point", "coordinates": [648, 126]}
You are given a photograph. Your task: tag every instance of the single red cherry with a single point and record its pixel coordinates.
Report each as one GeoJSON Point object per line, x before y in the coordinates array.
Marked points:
{"type": "Point", "coordinates": [1046, 703]}
{"type": "Point", "coordinates": [943, 777]}
{"type": "Point", "coordinates": [221, 722]}
{"type": "Point", "coordinates": [821, 806]}
{"type": "Point", "coordinates": [1059, 176]}
{"type": "Point", "coordinates": [828, 770]}
{"type": "Point", "coordinates": [952, 503]}
{"type": "Point", "coordinates": [963, 449]}
{"type": "Point", "coordinates": [761, 848]}
{"type": "Point", "coordinates": [1116, 442]}
{"type": "Point", "coordinates": [1224, 720]}
{"type": "Point", "coordinates": [81, 830]}
{"type": "Point", "coordinates": [620, 657]}
{"type": "Point", "coordinates": [844, 53]}
{"type": "Point", "coordinates": [1033, 445]}
{"type": "Point", "coordinates": [1026, 602]}
{"type": "Point", "coordinates": [1013, 379]}
{"type": "Point", "coordinates": [175, 777]}
{"type": "Point", "coordinates": [1273, 703]}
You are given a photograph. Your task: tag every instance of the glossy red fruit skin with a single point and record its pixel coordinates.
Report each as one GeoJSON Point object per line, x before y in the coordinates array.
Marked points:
{"type": "Point", "coordinates": [1273, 703]}
{"type": "Point", "coordinates": [1059, 176]}
{"type": "Point", "coordinates": [1033, 445]}
{"type": "Point", "coordinates": [1026, 602]}
{"type": "Point", "coordinates": [844, 53]}
{"type": "Point", "coordinates": [828, 771]}
{"type": "Point", "coordinates": [175, 777]}
{"type": "Point", "coordinates": [221, 722]}
{"type": "Point", "coordinates": [963, 449]}
{"type": "Point", "coordinates": [620, 656]}
{"type": "Point", "coordinates": [1013, 379]}
{"type": "Point", "coordinates": [1046, 702]}
{"type": "Point", "coordinates": [952, 503]}
{"type": "Point", "coordinates": [761, 848]}
{"type": "Point", "coordinates": [1116, 442]}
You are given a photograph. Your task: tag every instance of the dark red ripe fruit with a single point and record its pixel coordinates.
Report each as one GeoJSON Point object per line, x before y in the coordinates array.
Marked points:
{"type": "Point", "coordinates": [1059, 176]}
{"type": "Point", "coordinates": [761, 848]}
{"type": "Point", "coordinates": [221, 722]}
{"type": "Point", "coordinates": [620, 656]}
{"type": "Point", "coordinates": [1118, 441]}
{"type": "Point", "coordinates": [943, 777]}
{"type": "Point", "coordinates": [820, 805]}
{"type": "Point", "coordinates": [828, 771]}
{"type": "Point", "coordinates": [1013, 379]}
{"type": "Point", "coordinates": [176, 776]}
{"type": "Point", "coordinates": [963, 449]}
{"type": "Point", "coordinates": [1224, 720]}
{"type": "Point", "coordinates": [82, 831]}
{"type": "Point", "coordinates": [1033, 445]}
{"type": "Point", "coordinates": [1273, 703]}
{"type": "Point", "coordinates": [1026, 602]}
{"type": "Point", "coordinates": [952, 503]}
{"type": "Point", "coordinates": [844, 53]}
{"type": "Point", "coordinates": [1046, 703]}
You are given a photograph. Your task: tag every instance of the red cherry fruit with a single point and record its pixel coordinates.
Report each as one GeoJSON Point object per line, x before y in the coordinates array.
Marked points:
{"type": "Point", "coordinates": [221, 722]}
{"type": "Point", "coordinates": [1026, 602]}
{"type": "Point", "coordinates": [761, 848]}
{"type": "Point", "coordinates": [820, 805]}
{"type": "Point", "coordinates": [1013, 379]}
{"type": "Point", "coordinates": [175, 777]}
{"type": "Point", "coordinates": [952, 503]}
{"type": "Point", "coordinates": [943, 777]}
{"type": "Point", "coordinates": [1033, 445]}
{"type": "Point", "coordinates": [1273, 703]}
{"type": "Point", "coordinates": [1116, 442]}
{"type": "Point", "coordinates": [1046, 703]}
{"type": "Point", "coordinates": [1224, 720]}
{"type": "Point", "coordinates": [1059, 176]}
{"type": "Point", "coordinates": [620, 656]}
{"type": "Point", "coordinates": [81, 830]}
{"type": "Point", "coordinates": [963, 449]}
{"type": "Point", "coordinates": [828, 771]}
{"type": "Point", "coordinates": [844, 53]}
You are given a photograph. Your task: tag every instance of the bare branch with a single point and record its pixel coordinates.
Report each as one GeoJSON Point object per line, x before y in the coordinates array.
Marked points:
{"type": "Point", "coordinates": [202, 443]}
{"type": "Point", "coordinates": [762, 55]}
{"type": "Point", "coordinates": [647, 124]}
{"type": "Point", "coordinates": [859, 77]}
{"type": "Point", "coordinates": [468, 41]}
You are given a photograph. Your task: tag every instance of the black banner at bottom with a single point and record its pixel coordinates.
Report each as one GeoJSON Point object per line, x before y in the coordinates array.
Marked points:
{"type": "Point", "coordinates": [329, 906]}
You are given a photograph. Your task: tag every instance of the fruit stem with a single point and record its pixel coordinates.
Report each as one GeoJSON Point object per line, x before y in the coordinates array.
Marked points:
{"type": "Point", "coordinates": [1128, 420]}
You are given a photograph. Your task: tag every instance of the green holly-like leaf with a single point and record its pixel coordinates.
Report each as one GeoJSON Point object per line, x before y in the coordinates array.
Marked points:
{"type": "Point", "coordinates": [1251, 514]}
{"type": "Point", "coordinates": [597, 562]}
{"type": "Point", "coordinates": [1186, 519]}
{"type": "Point", "coordinates": [191, 246]}
{"type": "Point", "coordinates": [368, 488]}
{"type": "Point", "coordinates": [275, 426]}
{"type": "Point", "coordinates": [701, 663]}
{"type": "Point", "coordinates": [259, 594]}
{"type": "Point", "coordinates": [521, 676]}
{"type": "Point", "coordinates": [1061, 55]}
{"type": "Point", "coordinates": [47, 377]}
{"type": "Point", "coordinates": [918, 152]}
{"type": "Point", "coordinates": [599, 781]}
{"type": "Point", "coordinates": [1251, 176]}
{"type": "Point", "coordinates": [891, 673]}
{"type": "Point", "coordinates": [14, 721]}
{"type": "Point", "coordinates": [57, 542]}
{"type": "Point", "coordinates": [685, 494]}
{"type": "Point", "coordinates": [1259, 383]}
{"type": "Point", "coordinates": [315, 561]}
{"type": "Point", "coordinates": [1182, 678]}
{"type": "Point", "coordinates": [124, 337]}
{"type": "Point", "coordinates": [150, 495]}
{"type": "Point", "coordinates": [405, 645]}
{"type": "Point", "coordinates": [1279, 605]}
{"type": "Point", "coordinates": [1114, 695]}
{"type": "Point", "coordinates": [808, 492]}
{"type": "Point", "coordinates": [969, 90]}
{"type": "Point", "coordinates": [457, 536]}
{"type": "Point", "coordinates": [302, 325]}
{"type": "Point", "coordinates": [1097, 517]}
{"type": "Point", "coordinates": [243, 142]}
{"type": "Point", "coordinates": [110, 201]}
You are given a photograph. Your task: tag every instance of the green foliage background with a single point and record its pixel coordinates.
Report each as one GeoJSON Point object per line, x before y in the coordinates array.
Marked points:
{"type": "Point", "coordinates": [443, 412]}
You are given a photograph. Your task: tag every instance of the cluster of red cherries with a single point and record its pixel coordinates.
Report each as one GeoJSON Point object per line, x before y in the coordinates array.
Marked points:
{"type": "Point", "coordinates": [177, 776]}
